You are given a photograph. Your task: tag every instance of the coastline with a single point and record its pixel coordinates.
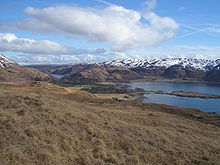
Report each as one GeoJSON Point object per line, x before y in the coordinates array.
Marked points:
{"type": "Point", "coordinates": [125, 92]}
{"type": "Point", "coordinates": [138, 93]}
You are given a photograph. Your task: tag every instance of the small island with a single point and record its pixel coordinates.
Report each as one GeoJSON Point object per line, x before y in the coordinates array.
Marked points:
{"type": "Point", "coordinates": [186, 94]}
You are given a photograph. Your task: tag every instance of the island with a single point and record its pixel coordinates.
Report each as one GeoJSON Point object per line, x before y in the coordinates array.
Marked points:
{"type": "Point", "coordinates": [186, 94]}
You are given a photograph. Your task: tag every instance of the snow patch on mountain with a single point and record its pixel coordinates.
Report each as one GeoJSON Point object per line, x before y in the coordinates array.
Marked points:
{"type": "Point", "coordinates": [5, 62]}
{"type": "Point", "coordinates": [201, 64]}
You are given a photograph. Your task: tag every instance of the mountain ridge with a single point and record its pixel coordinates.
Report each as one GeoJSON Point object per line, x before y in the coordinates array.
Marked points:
{"type": "Point", "coordinates": [201, 64]}
{"type": "Point", "coordinates": [6, 62]}
{"type": "Point", "coordinates": [171, 68]}
{"type": "Point", "coordinates": [11, 71]}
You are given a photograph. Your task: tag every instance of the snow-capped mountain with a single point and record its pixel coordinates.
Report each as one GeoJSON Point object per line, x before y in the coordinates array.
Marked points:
{"type": "Point", "coordinates": [131, 69]}
{"type": "Point", "coordinates": [5, 62]}
{"type": "Point", "coordinates": [201, 64]}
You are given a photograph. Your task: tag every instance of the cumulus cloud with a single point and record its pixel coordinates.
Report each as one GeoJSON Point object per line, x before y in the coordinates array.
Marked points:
{"type": "Point", "coordinates": [203, 52]}
{"type": "Point", "coordinates": [67, 58]}
{"type": "Point", "coordinates": [42, 59]}
{"type": "Point", "coordinates": [10, 42]}
{"type": "Point", "coordinates": [122, 27]}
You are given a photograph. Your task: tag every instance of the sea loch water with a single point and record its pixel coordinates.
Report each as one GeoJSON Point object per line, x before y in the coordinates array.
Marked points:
{"type": "Point", "coordinates": [206, 105]}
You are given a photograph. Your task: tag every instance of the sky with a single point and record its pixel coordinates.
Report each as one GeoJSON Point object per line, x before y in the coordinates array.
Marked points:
{"type": "Point", "coordinates": [79, 31]}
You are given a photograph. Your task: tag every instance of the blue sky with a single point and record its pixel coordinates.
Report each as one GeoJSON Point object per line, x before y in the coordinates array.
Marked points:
{"type": "Point", "coordinates": [73, 31]}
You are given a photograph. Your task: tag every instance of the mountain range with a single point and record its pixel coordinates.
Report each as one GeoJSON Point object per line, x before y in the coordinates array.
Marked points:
{"type": "Point", "coordinates": [131, 69]}
{"type": "Point", "coordinates": [114, 71]}
{"type": "Point", "coordinates": [198, 64]}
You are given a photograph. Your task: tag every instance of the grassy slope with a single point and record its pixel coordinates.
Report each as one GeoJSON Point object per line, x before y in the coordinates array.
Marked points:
{"type": "Point", "coordinates": [47, 124]}
{"type": "Point", "coordinates": [16, 73]}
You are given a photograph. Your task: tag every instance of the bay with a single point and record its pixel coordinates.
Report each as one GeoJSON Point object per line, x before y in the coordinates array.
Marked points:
{"type": "Point", "coordinates": [203, 104]}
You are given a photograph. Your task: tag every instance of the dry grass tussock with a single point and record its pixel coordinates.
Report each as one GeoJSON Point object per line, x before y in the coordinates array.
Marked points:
{"type": "Point", "coordinates": [47, 124]}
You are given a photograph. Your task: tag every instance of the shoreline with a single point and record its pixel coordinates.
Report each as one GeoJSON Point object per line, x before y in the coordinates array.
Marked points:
{"type": "Point", "coordinates": [186, 94]}
{"type": "Point", "coordinates": [138, 93]}
{"type": "Point", "coordinates": [125, 91]}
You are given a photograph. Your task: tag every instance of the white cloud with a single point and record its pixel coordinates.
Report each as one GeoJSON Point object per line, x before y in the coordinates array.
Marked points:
{"type": "Point", "coordinates": [122, 27]}
{"type": "Point", "coordinates": [10, 42]}
{"type": "Point", "coordinates": [48, 59]}
{"type": "Point", "coordinates": [181, 51]}
{"type": "Point", "coordinates": [60, 59]}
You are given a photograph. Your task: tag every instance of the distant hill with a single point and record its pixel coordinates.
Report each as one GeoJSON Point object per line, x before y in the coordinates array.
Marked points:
{"type": "Point", "coordinates": [89, 74]}
{"type": "Point", "coordinates": [10, 71]}
{"type": "Point", "coordinates": [131, 69]}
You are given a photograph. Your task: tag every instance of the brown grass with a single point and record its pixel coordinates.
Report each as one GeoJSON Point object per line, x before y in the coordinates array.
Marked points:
{"type": "Point", "coordinates": [47, 124]}
{"type": "Point", "coordinates": [110, 96]}
{"type": "Point", "coordinates": [18, 74]}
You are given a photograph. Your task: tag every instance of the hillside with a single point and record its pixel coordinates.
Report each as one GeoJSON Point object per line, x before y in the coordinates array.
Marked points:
{"type": "Point", "coordinates": [92, 73]}
{"type": "Point", "coordinates": [47, 124]}
{"type": "Point", "coordinates": [213, 75]}
{"type": "Point", "coordinates": [10, 71]}
{"type": "Point", "coordinates": [180, 72]}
